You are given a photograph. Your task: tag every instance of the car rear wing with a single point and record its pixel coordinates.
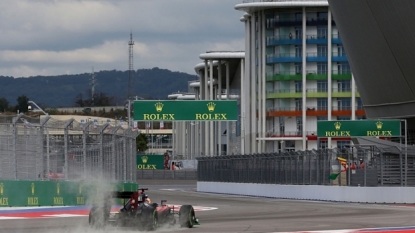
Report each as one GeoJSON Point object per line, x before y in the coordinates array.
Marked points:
{"type": "Point", "coordinates": [122, 195]}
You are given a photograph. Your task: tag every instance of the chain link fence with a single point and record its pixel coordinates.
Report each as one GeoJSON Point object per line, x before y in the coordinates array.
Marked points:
{"type": "Point", "coordinates": [365, 166]}
{"type": "Point", "coordinates": [48, 149]}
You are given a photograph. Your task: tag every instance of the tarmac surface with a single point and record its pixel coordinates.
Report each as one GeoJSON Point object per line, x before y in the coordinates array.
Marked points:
{"type": "Point", "coordinates": [243, 214]}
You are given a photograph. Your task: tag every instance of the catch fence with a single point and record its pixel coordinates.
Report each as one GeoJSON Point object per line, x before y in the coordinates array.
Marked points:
{"type": "Point", "coordinates": [44, 148]}
{"type": "Point", "coordinates": [365, 166]}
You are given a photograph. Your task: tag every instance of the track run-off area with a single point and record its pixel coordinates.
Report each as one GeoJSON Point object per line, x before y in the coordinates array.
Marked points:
{"type": "Point", "coordinates": [227, 213]}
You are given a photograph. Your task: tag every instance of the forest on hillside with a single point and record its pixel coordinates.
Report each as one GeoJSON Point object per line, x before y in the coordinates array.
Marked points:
{"type": "Point", "coordinates": [65, 90]}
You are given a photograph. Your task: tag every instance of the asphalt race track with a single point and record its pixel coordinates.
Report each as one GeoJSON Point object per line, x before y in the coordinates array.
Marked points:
{"type": "Point", "coordinates": [243, 214]}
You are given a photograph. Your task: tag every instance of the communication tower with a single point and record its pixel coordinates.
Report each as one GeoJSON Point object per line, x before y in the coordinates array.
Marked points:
{"type": "Point", "coordinates": [130, 91]}
{"type": "Point", "coordinates": [93, 84]}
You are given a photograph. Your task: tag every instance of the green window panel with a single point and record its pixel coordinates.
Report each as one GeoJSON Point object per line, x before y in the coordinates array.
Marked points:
{"type": "Point", "coordinates": [284, 77]}
{"type": "Point", "coordinates": [341, 76]}
{"type": "Point", "coordinates": [342, 94]}
{"type": "Point", "coordinates": [316, 76]}
{"type": "Point", "coordinates": [317, 95]}
{"type": "Point", "coordinates": [283, 95]}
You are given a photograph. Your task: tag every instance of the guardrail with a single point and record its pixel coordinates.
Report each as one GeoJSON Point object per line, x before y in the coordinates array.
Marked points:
{"type": "Point", "coordinates": [184, 174]}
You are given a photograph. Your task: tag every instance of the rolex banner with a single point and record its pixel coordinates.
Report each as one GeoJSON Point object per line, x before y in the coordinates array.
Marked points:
{"type": "Point", "coordinates": [359, 128]}
{"type": "Point", "coordinates": [53, 193]}
{"type": "Point", "coordinates": [185, 110]}
{"type": "Point", "coordinates": [150, 162]}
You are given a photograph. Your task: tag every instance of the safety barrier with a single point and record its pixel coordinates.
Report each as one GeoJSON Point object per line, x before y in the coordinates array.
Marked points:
{"type": "Point", "coordinates": [381, 194]}
{"type": "Point", "coordinates": [56, 193]}
{"type": "Point", "coordinates": [185, 174]}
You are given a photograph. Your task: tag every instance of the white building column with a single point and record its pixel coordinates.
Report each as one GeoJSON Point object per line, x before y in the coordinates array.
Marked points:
{"type": "Point", "coordinates": [211, 132]}
{"type": "Point", "coordinates": [263, 81]}
{"type": "Point", "coordinates": [173, 138]}
{"type": "Point", "coordinates": [329, 76]}
{"type": "Point", "coordinates": [251, 90]}
{"type": "Point", "coordinates": [228, 131]}
{"type": "Point", "coordinates": [197, 125]}
{"type": "Point", "coordinates": [249, 58]}
{"type": "Point", "coordinates": [205, 124]}
{"type": "Point", "coordinates": [219, 94]}
{"type": "Point", "coordinates": [353, 84]}
{"type": "Point", "coordinates": [242, 107]}
{"type": "Point", "coordinates": [304, 80]}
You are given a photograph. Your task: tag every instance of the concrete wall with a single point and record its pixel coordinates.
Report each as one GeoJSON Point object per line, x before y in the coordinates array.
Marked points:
{"type": "Point", "coordinates": [314, 192]}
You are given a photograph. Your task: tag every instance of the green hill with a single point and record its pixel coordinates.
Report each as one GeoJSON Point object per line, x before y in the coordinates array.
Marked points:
{"type": "Point", "coordinates": [61, 90]}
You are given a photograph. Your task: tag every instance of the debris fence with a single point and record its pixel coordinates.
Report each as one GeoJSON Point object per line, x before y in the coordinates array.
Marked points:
{"type": "Point", "coordinates": [44, 148]}
{"type": "Point", "coordinates": [364, 166]}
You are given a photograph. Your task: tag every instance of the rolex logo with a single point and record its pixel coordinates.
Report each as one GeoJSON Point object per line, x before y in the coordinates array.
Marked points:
{"type": "Point", "coordinates": [211, 106]}
{"type": "Point", "coordinates": [159, 106]}
{"type": "Point", "coordinates": [58, 187]}
{"type": "Point", "coordinates": [337, 125]}
{"type": "Point", "coordinates": [144, 159]}
{"type": "Point", "coordinates": [80, 190]}
{"type": "Point", "coordinates": [33, 188]}
{"type": "Point", "coordinates": [1, 188]}
{"type": "Point", "coordinates": [379, 125]}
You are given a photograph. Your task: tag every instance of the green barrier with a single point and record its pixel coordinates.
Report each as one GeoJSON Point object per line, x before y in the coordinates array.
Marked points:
{"type": "Point", "coordinates": [56, 193]}
{"type": "Point", "coordinates": [150, 162]}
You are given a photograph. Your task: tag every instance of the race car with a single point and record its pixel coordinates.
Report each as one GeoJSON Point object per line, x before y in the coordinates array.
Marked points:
{"type": "Point", "coordinates": [140, 212]}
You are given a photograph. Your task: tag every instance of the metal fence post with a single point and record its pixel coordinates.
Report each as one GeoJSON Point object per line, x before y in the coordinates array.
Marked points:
{"type": "Point", "coordinates": [15, 119]}
{"type": "Point", "coordinates": [101, 149]}
{"type": "Point", "coordinates": [84, 153]}
{"type": "Point", "coordinates": [124, 149]}
{"type": "Point", "coordinates": [66, 145]}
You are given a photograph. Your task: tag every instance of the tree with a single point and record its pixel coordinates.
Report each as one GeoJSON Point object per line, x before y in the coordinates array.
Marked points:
{"type": "Point", "coordinates": [4, 104]}
{"type": "Point", "coordinates": [100, 99]}
{"type": "Point", "coordinates": [22, 103]}
{"type": "Point", "coordinates": [79, 100]}
{"type": "Point", "coordinates": [141, 142]}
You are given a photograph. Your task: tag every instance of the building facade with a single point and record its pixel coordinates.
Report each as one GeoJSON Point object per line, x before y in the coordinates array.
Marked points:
{"type": "Point", "coordinates": [220, 76]}
{"type": "Point", "coordinates": [296, 73]}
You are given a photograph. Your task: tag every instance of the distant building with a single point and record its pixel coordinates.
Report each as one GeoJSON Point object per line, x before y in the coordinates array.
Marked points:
{"type": "Point", "coordinates": [293, 73]}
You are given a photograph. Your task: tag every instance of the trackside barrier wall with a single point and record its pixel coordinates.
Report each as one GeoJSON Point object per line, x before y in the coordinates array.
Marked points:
{"type": "Point", "coordinates": [185, 174]}
{"type": "Point", "coordinates": [314, 192]}
{"type": "Point", "coordinates": [56, 193]}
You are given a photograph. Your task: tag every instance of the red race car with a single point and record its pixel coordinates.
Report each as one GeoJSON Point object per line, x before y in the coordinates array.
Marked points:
{"type": "Point", "coordinates": [140, 212]}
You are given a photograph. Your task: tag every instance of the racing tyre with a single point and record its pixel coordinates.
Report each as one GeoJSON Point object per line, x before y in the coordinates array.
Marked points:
{"type": "Point", "coordinates": [94, 219]}
{"type": "Point", "coordinates": [152, 220]}
{"type": "Point", "coordinates": [187, 216]}
{"type": "Point", "coordinates": [97, 217]}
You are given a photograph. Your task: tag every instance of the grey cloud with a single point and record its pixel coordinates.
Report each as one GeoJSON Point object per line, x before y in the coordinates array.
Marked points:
{"type": "Point", "coordinates": [70, 30]}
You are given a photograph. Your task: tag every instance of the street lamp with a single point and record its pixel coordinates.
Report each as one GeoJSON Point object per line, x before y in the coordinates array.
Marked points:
{"type": "Point", "coordinates": [39, 108]}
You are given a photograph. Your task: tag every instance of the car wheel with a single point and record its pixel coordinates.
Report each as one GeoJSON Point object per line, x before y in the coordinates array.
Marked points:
{"type": "Point", "coordinates": [91, 219]}
{"type": "Point", "coordinates": [152, 220]}
{"type": "Point", "coordinates": [97, 217]}
{"type": "Point", "coordinates": [186, 216]}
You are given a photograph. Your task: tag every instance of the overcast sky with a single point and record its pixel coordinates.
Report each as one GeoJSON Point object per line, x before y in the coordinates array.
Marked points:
{"type": "Point", "coordinates": [53, 37]}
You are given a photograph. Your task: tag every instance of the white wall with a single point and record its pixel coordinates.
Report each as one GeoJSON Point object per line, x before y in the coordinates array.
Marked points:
{"type": "Point", "coordinates": [314, 192]}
